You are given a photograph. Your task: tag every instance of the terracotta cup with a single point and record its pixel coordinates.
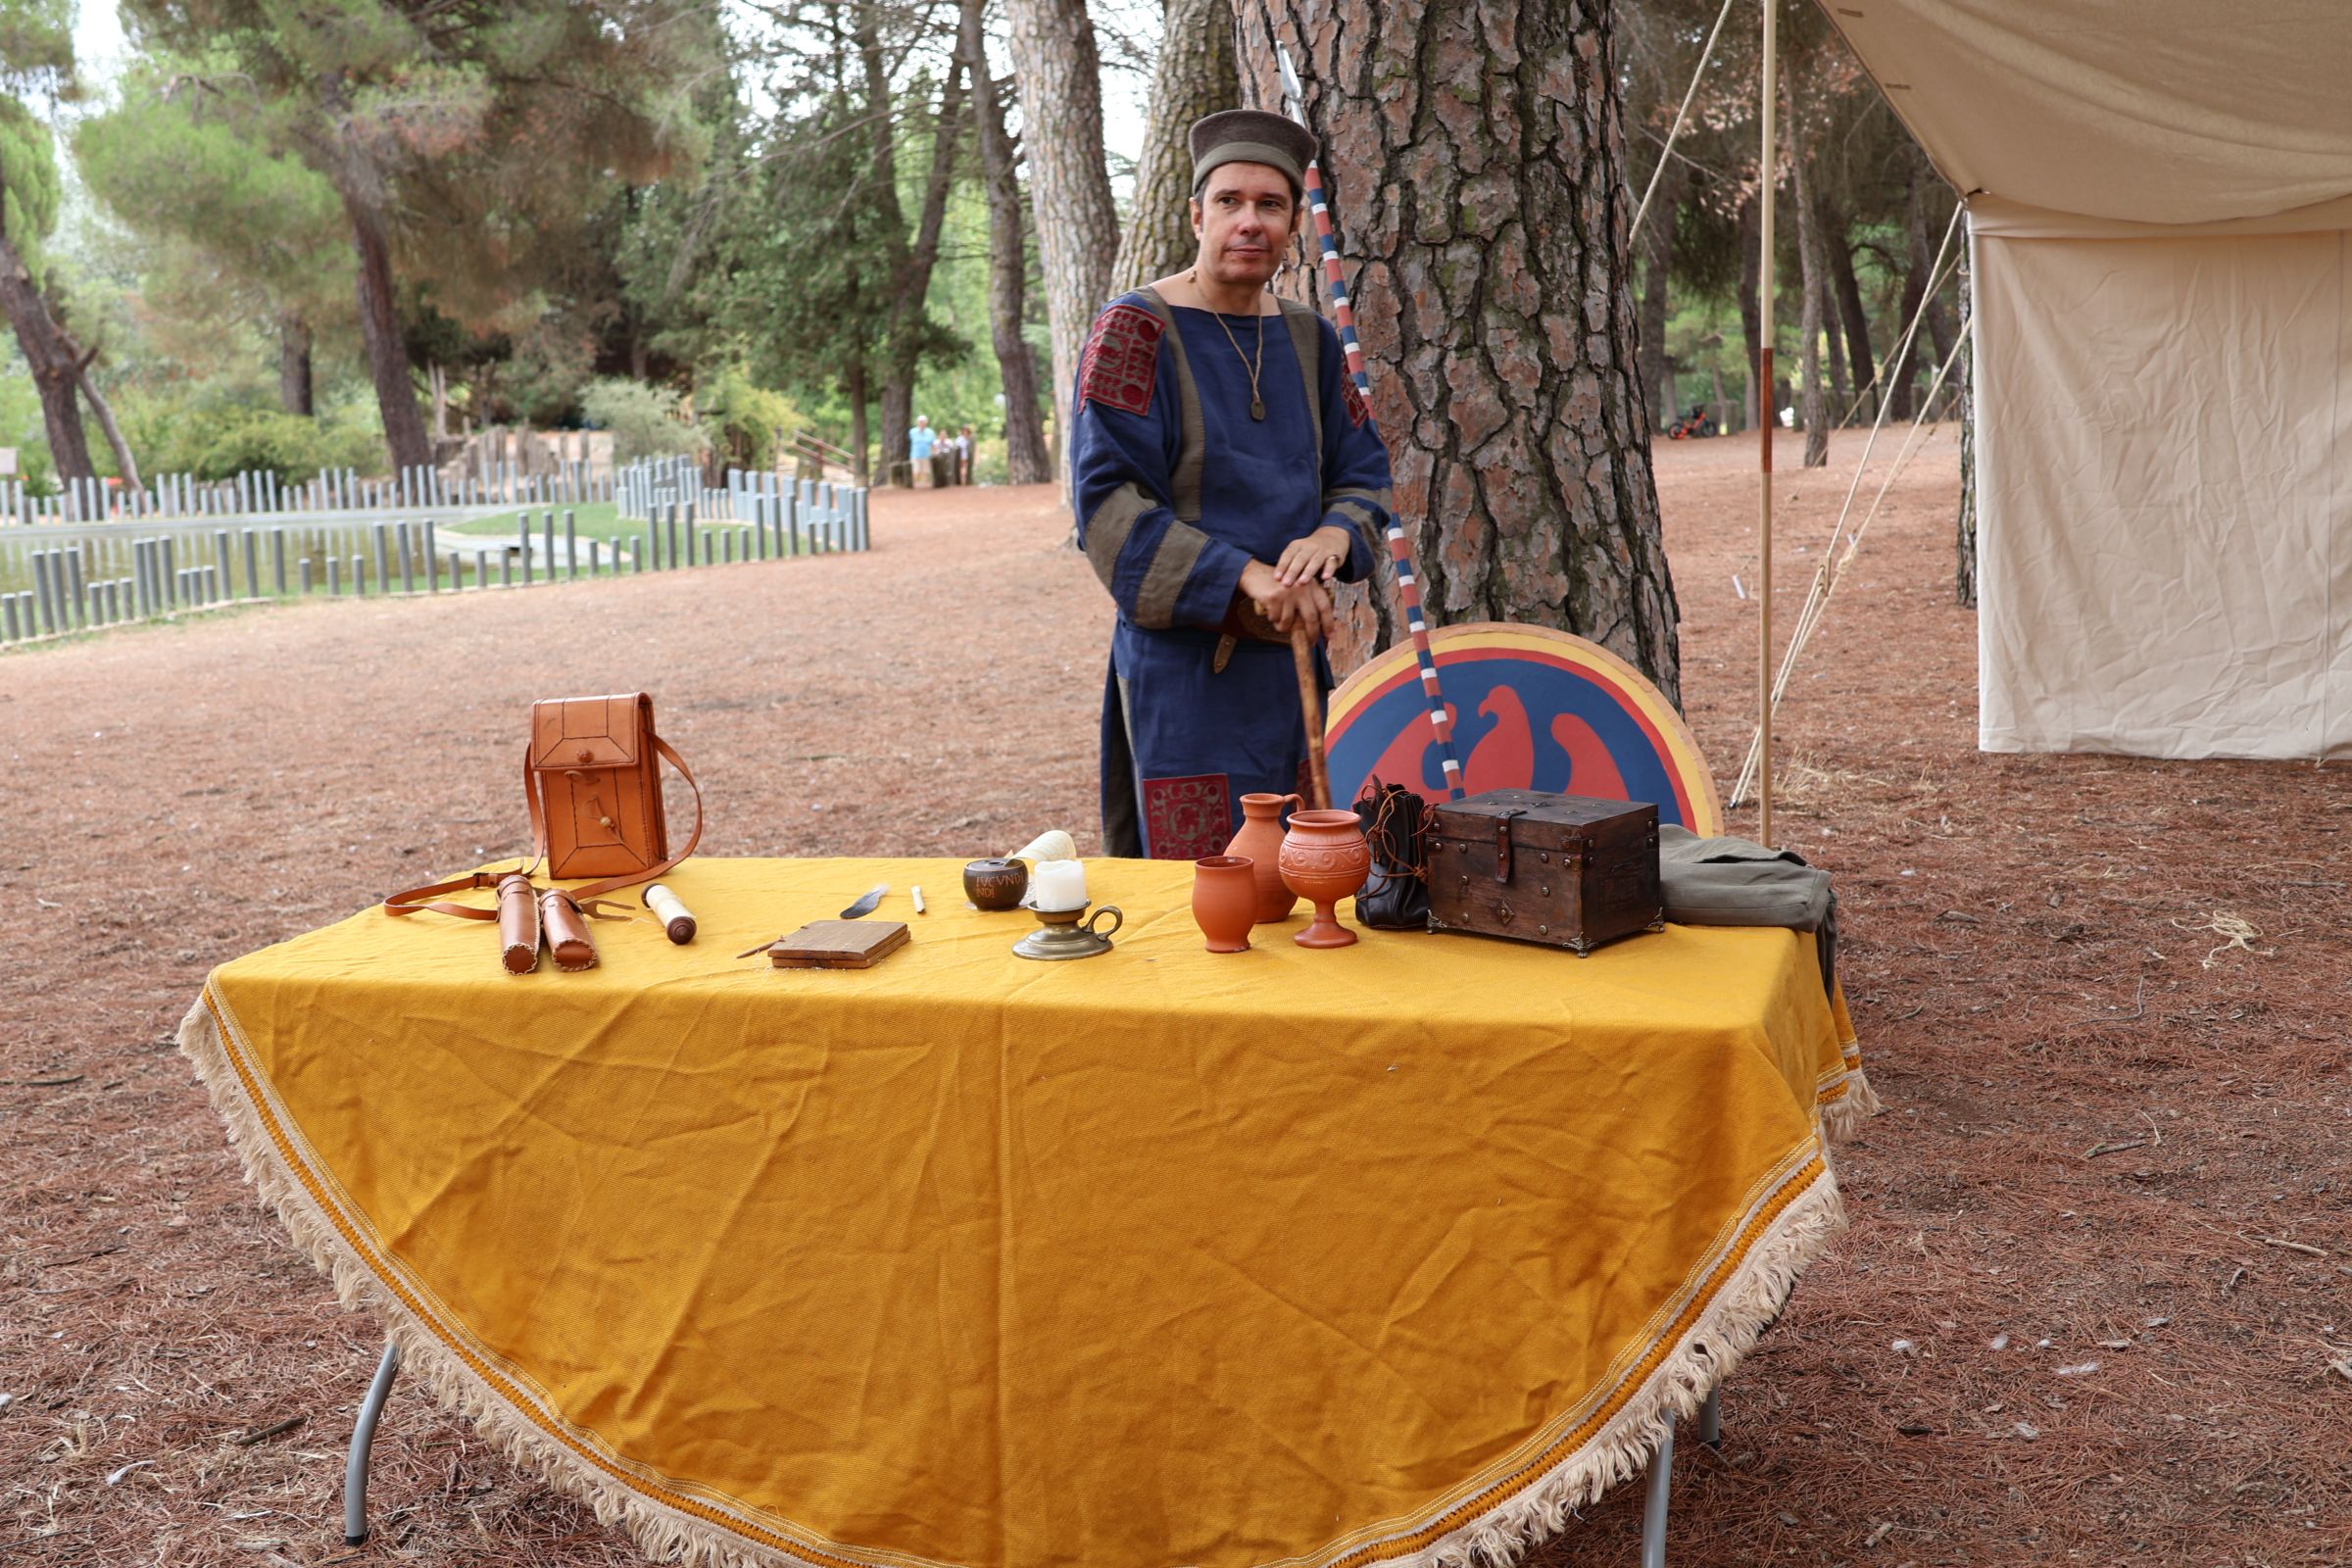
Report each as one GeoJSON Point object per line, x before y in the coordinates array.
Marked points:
{"type": "Point", "coordinates": [1324, 860]}
{"type": "Point", "coordinates": [1260, 840]}
{"type": "Point", "coordinates": [1225, 900]}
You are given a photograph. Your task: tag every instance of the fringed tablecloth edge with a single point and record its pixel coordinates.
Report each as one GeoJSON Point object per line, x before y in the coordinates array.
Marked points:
{"type": "Point", "coordinates": [667, 1533]}
{"type": "Point", "coordinates": [1705, 1354]}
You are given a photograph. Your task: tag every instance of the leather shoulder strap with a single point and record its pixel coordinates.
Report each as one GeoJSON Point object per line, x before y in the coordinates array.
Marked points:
{"type": "Point", "coordinates": [607, 884]}
{"type": "Point", "coordinates": [416, 899]}
{"type": "Point", "coordinates": [1306, 338]}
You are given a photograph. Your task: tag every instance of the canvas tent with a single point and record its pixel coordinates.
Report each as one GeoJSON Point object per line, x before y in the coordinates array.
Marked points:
{"type": "Point", "coordinates": [2160, 217]}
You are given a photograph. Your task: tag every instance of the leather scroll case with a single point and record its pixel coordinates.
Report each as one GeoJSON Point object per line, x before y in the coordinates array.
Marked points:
{"type": "Point", "coordinates": [567, 929]}
{"type": "Point", "coordinates": [517, 923]}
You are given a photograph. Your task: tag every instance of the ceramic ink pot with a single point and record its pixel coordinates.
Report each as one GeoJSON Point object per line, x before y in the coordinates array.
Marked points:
{"type": "Point", "coordinates": [996, 884]}
{"type": "Point", "coordinates": [1324, 860]}
{"type": "Point", "coordinates": [1225, 900]}
{"type": "Point", "coordinates": [1260, 840]}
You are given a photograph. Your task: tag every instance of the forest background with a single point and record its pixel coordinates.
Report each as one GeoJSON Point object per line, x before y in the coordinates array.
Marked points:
{"type": "Point", "coordinates": [708, 227]}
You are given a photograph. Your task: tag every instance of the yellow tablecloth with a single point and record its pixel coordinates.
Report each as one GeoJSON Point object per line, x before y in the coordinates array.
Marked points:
{"type": "Point", "coordinates": [1162, 1257]}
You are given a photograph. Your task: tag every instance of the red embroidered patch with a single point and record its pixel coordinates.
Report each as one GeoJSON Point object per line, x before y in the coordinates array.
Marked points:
{"type": "Point", "coordinates": [1186, 818]}
{"type": "Point", "coordinates": [1357, 409]}
{"type": "Point", "coordinates": [1121, 360]}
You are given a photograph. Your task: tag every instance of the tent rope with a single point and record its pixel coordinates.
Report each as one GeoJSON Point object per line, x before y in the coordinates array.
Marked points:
{"type": "Point", "coordinates": [1828, 550]}
{"type": "Point", "coordinates": [1830, 573]}
{"type": "Point", "coordinates": [1939, 274]}
{"type": "Point", "coordinates": [1666, 151]}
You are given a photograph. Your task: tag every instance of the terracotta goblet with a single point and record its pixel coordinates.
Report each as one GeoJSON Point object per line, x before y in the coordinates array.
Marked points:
{"type": "Point", "coordinates": [1225, 900]}
{"type": "Point", "coordinates": [1324, 860]}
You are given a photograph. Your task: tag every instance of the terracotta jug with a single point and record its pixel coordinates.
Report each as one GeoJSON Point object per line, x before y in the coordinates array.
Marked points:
{"type": "Point", "coordinates": [1225, 900]}
{"type": "Point", "coordinates": [1324, 860]}
{"type": "Point", "coordinates": [1260, 840]}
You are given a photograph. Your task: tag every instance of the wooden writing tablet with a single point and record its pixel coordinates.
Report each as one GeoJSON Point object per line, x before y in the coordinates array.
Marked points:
{"type": "Point", "coordinates": [838, 945]}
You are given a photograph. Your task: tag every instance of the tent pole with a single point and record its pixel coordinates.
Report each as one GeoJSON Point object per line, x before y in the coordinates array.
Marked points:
{"type": "Point", "coordinates": [1770, 418]}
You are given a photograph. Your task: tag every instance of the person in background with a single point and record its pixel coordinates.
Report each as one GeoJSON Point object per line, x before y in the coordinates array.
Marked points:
{"type": "Point", "coordinates": [919, 443]}
{"type": "Point", "coordinates": [965, 448]}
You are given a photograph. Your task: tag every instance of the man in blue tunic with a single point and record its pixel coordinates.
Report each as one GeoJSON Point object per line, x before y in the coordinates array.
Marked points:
{"type": "Point", "coordinates": [1224, 470]}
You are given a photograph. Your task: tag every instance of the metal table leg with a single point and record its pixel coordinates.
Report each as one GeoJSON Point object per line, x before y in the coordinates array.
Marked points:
{"type": "Point", "coordinates": [1653, 1517]}
{"type": "Point", "coordinates": [362, 1437]}
{"type": "Point", "coordinates": [1710, 1419]}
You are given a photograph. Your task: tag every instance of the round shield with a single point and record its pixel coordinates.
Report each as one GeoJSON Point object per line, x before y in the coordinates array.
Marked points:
{"type": "Point", "coordinates": [1532, 709]}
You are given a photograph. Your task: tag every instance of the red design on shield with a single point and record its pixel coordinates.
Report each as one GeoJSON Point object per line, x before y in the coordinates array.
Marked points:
{"type": "Point", "coordinates": [1357, 409]}
{"type": "Point", "coordinates": [1186, 818]}
{"type": "Point", "coordinates": [1122, 362]}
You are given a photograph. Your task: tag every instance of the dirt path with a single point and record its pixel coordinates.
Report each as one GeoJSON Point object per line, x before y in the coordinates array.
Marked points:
{"type": "Point", "coordinates": [2032, 963]}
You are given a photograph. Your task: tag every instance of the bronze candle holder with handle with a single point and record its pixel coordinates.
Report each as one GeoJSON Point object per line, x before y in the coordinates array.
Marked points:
{"type": "Point", "coordinates": [1070, 933]}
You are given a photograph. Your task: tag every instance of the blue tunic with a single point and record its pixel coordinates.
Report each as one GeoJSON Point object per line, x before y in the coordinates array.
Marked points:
{"type": "Point", "coordinates": [1176, 488]}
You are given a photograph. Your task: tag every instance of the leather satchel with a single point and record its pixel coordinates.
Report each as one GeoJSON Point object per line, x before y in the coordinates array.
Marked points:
{"type": "Point", "coordinates": [591, 777]}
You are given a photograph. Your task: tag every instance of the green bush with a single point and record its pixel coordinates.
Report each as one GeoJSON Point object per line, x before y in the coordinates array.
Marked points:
{"type": "Point", "coordinates": [217, 438]}
{"type": "Point", "coordinates": [747, 421]}
{"type": "Point", "coordinates": [294, 448]}
{"type": "Point", "coordinates": [646, 421]}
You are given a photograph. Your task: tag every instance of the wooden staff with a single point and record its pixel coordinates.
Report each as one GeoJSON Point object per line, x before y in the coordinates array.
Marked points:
{"type": "Point", "coordinates": [1310, 704]}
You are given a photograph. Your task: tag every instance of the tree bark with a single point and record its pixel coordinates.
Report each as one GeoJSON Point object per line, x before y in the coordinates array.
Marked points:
{"type": "Point", "coordinates": [1964, 575]}
{"type": "Point", "coordinates": [1070, 187]}
{"type": "Point", "coordinates": [54, 362]}
{"type": "Point", "coordinates": [1196, 77]}
{"type": "Point", "coordinates": [911, 264]}
{"type": "Point", "coordinates": [294, 391]}
{"type": "Point", "coordinates": [387, 346]}
{"type": "Point", "coordinates": [1008, 261]}
{"type": "Point", "coordinates": [1832, 331]}
{"type": "Point", "coordinates": [1476, 165]}
{"type": "Point", "coordinates": [860, 431]}
{"type": "Point", "coordinates": [1657, 261]}
{"type": "Point", "coordinates": [123, 461]}
{"type": "Point", "coordinates": [1812, 407]}
{"type": "Point", "coordinates": [1838, 232]}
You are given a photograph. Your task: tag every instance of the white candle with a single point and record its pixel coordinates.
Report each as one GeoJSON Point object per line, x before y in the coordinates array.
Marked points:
{"type": "Point", "coordinates": [1058, 885]}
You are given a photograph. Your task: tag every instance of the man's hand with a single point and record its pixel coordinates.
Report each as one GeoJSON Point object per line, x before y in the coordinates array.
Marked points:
{"type": "Point", "coordinates": [1305, 605]}
{"type": "Point", "coordinates": [1317, 557]}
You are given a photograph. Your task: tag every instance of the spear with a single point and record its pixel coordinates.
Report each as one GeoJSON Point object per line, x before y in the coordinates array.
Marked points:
{"type": "Point", "coordinates": [1401, 551]}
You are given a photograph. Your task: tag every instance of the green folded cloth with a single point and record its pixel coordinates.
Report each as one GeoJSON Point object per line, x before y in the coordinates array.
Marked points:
{"type": "Point", "coordinates": [1733, 881]}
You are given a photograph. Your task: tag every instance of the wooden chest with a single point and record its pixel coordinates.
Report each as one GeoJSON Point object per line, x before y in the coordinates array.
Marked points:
{"type": "Point", "coordinates": [1559, 869]}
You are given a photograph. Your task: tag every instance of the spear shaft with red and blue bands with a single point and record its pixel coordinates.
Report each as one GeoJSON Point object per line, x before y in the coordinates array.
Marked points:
{"type": "Point", "coordinates": [1401, 552]}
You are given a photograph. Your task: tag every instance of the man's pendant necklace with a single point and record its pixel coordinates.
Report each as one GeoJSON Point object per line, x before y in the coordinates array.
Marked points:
{"type": "Point", "coordinates": [1257, 404]}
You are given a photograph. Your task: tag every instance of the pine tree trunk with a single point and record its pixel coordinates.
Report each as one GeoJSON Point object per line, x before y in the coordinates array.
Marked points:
{"type": "Point", "coordinates": [125, 463]}
{"type": "Point", "coordinates": [294, 387]}
{"type": "Point", "coordinates": [1964, 375]}
{"type": "Point", "coordinates": [1196, 77]}
{"type": "Point", "coordinates": [1832, 331]}
{"type": "Point", "coordinates": [55, 363]}
{"type": "Point", "coordinates": [1008, 262]}
{"type": "Point", "coordinates": [889, 231]}
{"type": "Point", "coordinates": [1901, 368]}
{"type": "Point", "coordinates": [1657, 262]}
{"type": "Point", "coordinates": [1069, 186]}
{"type": "Point", "coordinates": [860, 433]}
{"type": "Point", "coordinates": [1476, 166]}
{"type": "Point", "coordinates": [1813, 408]}
{"type": "Point", "coordinates": [1850, 311]}
{"type": "Point", "coordinates": [387, 346]}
